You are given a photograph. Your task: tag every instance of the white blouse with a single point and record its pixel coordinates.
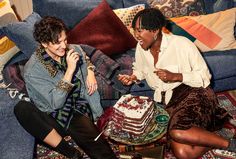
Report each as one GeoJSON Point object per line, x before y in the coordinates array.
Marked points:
{"type": "Point", "coordinates": [177, 54]}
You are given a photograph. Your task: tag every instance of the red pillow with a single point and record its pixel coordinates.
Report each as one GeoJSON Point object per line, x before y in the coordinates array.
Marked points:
{"type": "Point", "coordinates": [102, 29]}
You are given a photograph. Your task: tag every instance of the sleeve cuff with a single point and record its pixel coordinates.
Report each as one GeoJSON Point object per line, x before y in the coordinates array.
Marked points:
{"type": "Point", "coordinates": [186, 77]}
{"type": "Point", "coordinates": [65, 85]}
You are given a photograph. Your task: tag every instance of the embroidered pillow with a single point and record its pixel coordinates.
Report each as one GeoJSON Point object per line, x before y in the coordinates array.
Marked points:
{"type": "Point", "coordinates": [126, 15]}
{"type": "Point", "coordinates": [175, 8]}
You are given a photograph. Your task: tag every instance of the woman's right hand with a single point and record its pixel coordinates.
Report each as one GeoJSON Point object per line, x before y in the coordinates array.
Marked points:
{"type": "Point", "coordinates": [126, 79]}
{"type": "Point", "coordinates": [72, 58]}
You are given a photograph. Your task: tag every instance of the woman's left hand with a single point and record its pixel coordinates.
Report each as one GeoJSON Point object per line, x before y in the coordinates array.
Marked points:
{"type": "Point", "coordinates": [167, 76]}
{"type": "Point", "coordinates": [91, 82]}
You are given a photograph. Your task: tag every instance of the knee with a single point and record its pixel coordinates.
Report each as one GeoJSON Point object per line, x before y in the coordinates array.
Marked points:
{"type": "Point", "coordinates": [182, 153]}
{"type": "Point", "coordinates": [22, 108]}
{"type": "Point", "coordinates": [177, 135]}
{"type": "Point", "coordinates": [19, 108]}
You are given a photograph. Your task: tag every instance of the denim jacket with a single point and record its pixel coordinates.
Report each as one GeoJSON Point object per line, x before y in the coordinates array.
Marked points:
{"type": "Point", "coordinates": [47, 89]}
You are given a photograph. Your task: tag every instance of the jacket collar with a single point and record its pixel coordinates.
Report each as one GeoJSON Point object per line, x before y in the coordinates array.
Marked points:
{"type": "Point", "coordinates": [46, 61]}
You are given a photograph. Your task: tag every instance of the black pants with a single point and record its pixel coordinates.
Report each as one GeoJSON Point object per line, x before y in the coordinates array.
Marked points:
{"type": "Point", "coordinates": [39, 124]}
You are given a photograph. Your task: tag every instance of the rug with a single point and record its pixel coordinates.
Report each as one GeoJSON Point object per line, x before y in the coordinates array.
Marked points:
{"type": "Point", "coordinates": [227, 100]}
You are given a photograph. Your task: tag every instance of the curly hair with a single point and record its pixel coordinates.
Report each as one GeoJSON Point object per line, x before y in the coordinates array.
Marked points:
{"type": "Point", "coordinates": [48, 29]}
{"type": "Point", "coordinates": [150, 19]}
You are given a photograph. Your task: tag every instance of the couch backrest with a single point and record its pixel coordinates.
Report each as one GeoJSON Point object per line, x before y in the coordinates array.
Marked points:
{"type": "Point", "coordinates": [212, 6]}
{"type": "Point", "coordinates": [73, 11]}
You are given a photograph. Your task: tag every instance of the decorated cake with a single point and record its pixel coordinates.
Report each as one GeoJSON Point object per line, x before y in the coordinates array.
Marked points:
{"type": "Point", "coordinates": [133, 114]}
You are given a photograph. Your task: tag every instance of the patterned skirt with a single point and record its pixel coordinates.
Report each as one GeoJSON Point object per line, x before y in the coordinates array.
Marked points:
{"type": "Point", "coordinates": [198, 107]}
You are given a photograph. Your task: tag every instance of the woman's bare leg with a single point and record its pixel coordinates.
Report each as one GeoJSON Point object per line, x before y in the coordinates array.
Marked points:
{"type": "Point", "coordinates": [184, 151]}
{"type": "Point", "coordinates": [194, 142]}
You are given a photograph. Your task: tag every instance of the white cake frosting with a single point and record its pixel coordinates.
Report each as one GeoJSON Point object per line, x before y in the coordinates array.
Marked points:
{"type": "Point", "coordinates": [133, 113]}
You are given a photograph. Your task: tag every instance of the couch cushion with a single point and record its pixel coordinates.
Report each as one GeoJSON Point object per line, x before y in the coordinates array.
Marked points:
{"type": "Point", "coordinates": [103, 30]}
{"type": "Point", "coordinates": [221, 63]}
{"type": "Point", "coordinates": [129, 3]}
{"type": "Point", "coordinates": [73, 11]}
{"type": "Point", "coordinates": [218, 5]}
{"type": "Point", "coordinates": [70, 11]}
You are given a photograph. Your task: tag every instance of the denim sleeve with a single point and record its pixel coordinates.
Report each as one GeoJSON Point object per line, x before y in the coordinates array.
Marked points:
{"type": "Point", "coordinates": [47, 93]}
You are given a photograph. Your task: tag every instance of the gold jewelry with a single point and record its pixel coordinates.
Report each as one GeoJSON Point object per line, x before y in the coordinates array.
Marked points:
{"type": "Point", "coordinates": [155, 37]}
{"type": "Point", "coordinates": [92, 68]}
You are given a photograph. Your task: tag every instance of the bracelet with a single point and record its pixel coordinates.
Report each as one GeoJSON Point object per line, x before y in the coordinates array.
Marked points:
{"type": "Point", "coordinates": [92, 68]}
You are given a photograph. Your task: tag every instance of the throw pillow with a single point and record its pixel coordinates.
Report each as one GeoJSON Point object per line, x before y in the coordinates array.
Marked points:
{"type": "Point", "coordinates": [126, 15]}
{"type": "Point", "coordinates": [211, 32]}
{"type": "Point", "coordinates": [7, 14]}
{"type": "Point", "coordinates": [103, 30]}
{"type": "Point", "coordinates": [174, 8]}
{"type": "Point", "coordinates": [21, 33]}
{"type": "Point", "coordinates": [7, 48]}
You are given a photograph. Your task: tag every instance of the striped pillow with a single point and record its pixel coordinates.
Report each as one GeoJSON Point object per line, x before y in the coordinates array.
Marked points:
{"type": "Point", "coordinates": [7, 48]}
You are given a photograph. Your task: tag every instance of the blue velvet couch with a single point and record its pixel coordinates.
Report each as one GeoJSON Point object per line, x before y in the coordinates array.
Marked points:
{"type": "Point", "coordinates": [16, 143]}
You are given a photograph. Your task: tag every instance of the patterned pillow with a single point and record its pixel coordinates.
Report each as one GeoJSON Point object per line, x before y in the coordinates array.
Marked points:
{"type": "Point", "coordinates": [175, 8]}
{"type": "Point", "coordinates": [126, 15]}
{"type": "Point", "coordinates": [7, 47]}
{"type": "Point", "coordinates": [209, 32]}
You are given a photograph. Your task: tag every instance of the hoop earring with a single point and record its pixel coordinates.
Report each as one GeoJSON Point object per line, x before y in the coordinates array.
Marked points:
{"type": "Point", "coordinates": [155, 37]}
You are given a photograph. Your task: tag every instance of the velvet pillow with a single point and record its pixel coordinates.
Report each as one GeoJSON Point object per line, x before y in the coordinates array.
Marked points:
{"type": "Point", "coordinates": [102, 29]}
